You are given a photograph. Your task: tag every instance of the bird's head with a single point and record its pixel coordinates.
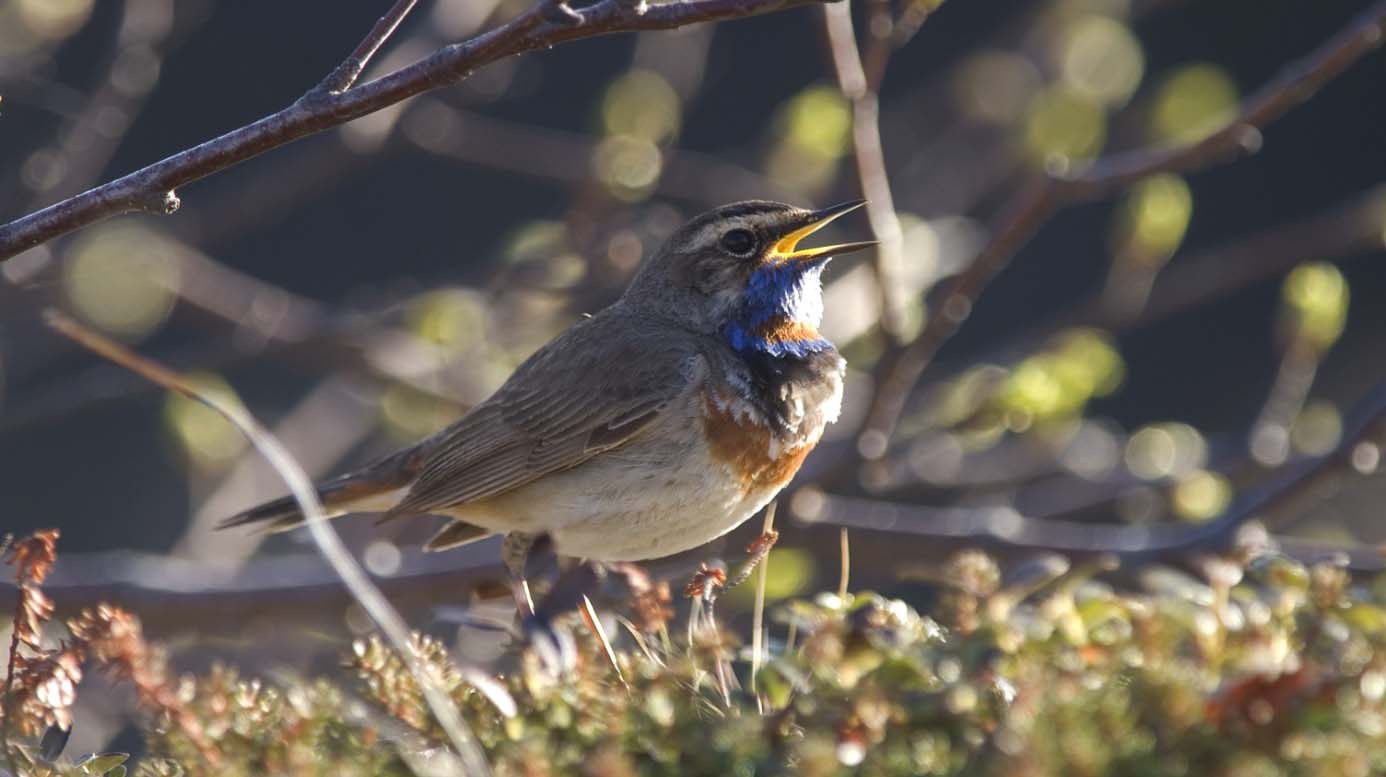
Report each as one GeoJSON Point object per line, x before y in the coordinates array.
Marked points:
{"type": "Point", "coordinates": [739, 271]}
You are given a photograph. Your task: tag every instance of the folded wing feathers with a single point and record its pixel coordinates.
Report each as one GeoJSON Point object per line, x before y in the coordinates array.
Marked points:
{"type": "Point", "coordinates": [554, 413]}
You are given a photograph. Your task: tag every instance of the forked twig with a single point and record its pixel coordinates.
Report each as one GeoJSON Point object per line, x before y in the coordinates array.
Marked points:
{"type": "Point", "coordinates": [345, 75]}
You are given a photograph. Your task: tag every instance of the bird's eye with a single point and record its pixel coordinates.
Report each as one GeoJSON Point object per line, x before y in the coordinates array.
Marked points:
{"type": "Point", "coordinates": [739, 242]}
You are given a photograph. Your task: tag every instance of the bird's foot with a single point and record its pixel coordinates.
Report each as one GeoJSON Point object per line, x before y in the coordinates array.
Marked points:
{"type": "Point", "coordinates": [710, 581]}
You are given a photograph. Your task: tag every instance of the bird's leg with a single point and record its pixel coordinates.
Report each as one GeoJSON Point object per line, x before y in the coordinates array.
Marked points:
{"type": "Point", "coordinates": [541, 628]}
{"type": "Point", "coordinates": [515, 552]}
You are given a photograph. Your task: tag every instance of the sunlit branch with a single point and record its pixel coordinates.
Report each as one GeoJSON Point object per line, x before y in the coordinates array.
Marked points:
{"type": "Point", "coordinates": [345, 75]}
{"type": "Point", "coordinates": [861, 87]}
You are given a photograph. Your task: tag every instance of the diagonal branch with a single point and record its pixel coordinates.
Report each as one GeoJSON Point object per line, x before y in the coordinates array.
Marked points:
{"type": "Point", "coordinates": [345, 75]}
{"type": "Point", "coordinates": [1029, 210]}
{"type": "Point", "coordinates": [152, 188]}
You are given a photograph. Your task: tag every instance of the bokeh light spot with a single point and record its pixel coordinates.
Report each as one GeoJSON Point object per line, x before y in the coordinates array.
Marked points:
{"type": "Point", "coordinates": [1154, 217]}
{"type": "Point", "coordinates": [451, 319]}
{"type": "Point", "coordinates": [209, 440]}
{"type": "Point", "coordinates": [1193, 102]}
{"type": "Point", "coordinates": [1317, 429]}
{"type": "Point", "coordinates": [1201, 495]}
{"type": "Point", "coordinates": [123, 279]}
{"type": "Point", "coordinates": [641, 104]}
{"type": "Point", "coordinates": [1316, 295]}
{"type": "Point", "coordinates": [995, 86]}
{"type": "Point", "coordinates": [812, 133]}
{"type": "Point", "coordinates": [628, 166]}
{"type": "Point", "coordinates": [1101, 59]}
{"type": "Point", "coordinates": [1165, 450]}
{"type": "Point", "coordinates": [1062, 124]}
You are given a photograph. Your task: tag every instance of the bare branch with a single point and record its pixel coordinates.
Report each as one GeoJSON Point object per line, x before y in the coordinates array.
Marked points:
{"type": "Point", "coordinates": [151, 189]}
{"type": "Point", "coordinates": [305, 494]}
{"type": "Point", "coordinates": [1029, 210]}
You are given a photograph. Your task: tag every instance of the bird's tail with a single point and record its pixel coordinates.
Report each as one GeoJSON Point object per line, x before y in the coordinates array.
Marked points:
{"type": "Point", "coordinates": [376, 487]}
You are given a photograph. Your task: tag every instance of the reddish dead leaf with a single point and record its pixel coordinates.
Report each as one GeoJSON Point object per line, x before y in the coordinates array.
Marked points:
{"type": "Point", "coordinates": [114, 638]}
{"type": "Point", "coordinates": [33, 556]}
{"type": "Point", "coordinates": [45, 688]}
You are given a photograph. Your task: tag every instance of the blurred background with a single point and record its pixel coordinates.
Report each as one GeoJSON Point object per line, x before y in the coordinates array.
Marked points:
{"type": "Point", "coordinates": [1144, 360]}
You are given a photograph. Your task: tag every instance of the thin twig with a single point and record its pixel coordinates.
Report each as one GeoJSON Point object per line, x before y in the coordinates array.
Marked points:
{"type": "Point", "coordinates": [345, 75]}
{"type": "Point", "coordinates": [6, 712]}
{"type": "Point", "coordinates": [1056, 189]}
{"type": "Point", "coordinates": [758, 612]}
{"type": "Point", "coordinates": [1269, 440]}
{"type": "Point", "coordinates": [472, 760]}
{"type": "Point", "coordinates": [152, 188]}
{"type": "Point", "coordinates": [870, 159]}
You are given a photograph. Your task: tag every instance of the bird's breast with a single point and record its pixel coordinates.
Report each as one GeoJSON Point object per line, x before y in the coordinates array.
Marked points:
{"type": "Point", "coordinates": [762, 453]}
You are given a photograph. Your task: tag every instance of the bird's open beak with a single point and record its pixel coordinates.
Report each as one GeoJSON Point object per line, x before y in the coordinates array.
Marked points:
{"type": "Point", "coordinates": [786, 249]}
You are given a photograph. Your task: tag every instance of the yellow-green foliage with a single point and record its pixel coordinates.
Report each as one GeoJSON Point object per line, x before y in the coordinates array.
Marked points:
{"type": "Point", "coordinates": [1271, 668]}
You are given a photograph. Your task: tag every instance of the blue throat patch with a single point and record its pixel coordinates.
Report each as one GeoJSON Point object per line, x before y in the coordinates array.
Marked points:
{"type": "Point", "coordinates": [788, 291]}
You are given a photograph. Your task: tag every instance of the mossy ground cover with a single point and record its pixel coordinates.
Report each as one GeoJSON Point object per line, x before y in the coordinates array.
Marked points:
{"type": "Point", "coordinates": [1264, 667]}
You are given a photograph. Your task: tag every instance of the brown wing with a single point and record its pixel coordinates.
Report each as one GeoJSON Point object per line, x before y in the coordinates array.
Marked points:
{"type": "Point", "coordinates": [589, 390]}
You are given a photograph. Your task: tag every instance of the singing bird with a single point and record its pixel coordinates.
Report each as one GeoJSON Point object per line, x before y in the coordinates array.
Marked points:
{"type": "Point", "coordinates": [650, 428]}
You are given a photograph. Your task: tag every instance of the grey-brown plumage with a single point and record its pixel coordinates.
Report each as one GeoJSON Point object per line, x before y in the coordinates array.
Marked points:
{"type": "Point", "coordinates": [649, 428]}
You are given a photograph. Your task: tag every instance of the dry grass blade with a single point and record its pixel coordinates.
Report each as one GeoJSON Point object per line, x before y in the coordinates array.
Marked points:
{"type": "Point", "coordinates": [845, 548]}
{"type": "Point", "coordinates": [758, 613]}
{"type": "Point", "coordinates": [589, 614]}
{"type": "Point", "coordinates": [469, 756]}
{"type": "Point", "coordinates": [640, 642]}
